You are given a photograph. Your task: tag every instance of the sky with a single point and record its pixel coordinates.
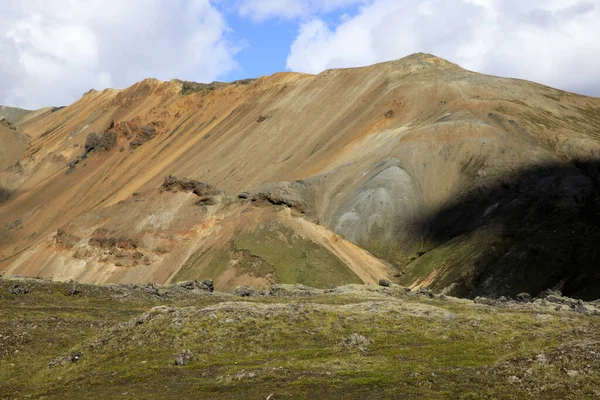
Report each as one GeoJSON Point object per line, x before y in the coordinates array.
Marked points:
{"type": "Point", "coordinates": [53, 51]}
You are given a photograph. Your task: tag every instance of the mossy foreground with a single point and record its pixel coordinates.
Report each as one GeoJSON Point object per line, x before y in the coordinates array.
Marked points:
{"type": "Point", "coordinates": [349, 342]}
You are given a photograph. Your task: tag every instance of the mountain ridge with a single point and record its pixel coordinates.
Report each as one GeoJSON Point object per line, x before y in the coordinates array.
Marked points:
{"type": "Point", "coordinates": [367, 152]}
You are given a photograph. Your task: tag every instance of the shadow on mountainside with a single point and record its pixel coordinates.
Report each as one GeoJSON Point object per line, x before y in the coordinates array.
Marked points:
{"type": "Point", "coordinates": [4, 195]}
{"type": "Point", "coordinates": [545, 224]}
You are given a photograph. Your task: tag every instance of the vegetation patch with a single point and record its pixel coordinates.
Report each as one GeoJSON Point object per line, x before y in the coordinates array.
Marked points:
{"type": "Point", "coordinates": [294, 258]}
{"type": "Point", "coordinates": [352, 342]}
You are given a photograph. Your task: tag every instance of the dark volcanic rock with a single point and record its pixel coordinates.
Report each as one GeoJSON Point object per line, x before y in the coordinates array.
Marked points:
{"type": "Point", "coordinates": [290, 194]}
{"type": "Point", "coordinates": [146, 133]}
{"type": "Point", "coordinates": [103, 142]}
{"type": "Point", "coordinates": [209, 284]}
{"type": "Point", "coordinates": [18, 290]}
{"type": "Point", "coordinates": [74, 357]}
{"type": "Point", "coordinates": [384, 282]}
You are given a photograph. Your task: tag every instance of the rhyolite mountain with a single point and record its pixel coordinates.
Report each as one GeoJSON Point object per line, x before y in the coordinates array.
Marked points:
{"type": "Point", "coordinates": [414, 170]}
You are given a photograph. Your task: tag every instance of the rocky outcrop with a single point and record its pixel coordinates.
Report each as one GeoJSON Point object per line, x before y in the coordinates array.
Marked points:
{"type": "Point", "coordinates": [290, 194]}
{"type": "Point", "coordinates": [103, 142]}
{"type": "Point", "coordinates": [19, 290]}
{"type": "Point", "coordinates": [206, 285]}
{"type": "Point", "coordinates": [189, 87]}
{"type": "Point", "coordinates": [95, 142]}
{"type": "Point", "coordinates": [282, 290]}
{"type": "Point", "coordinates": [65, 239]}
{"type": "Point", "coordinates": [145, 134]}
{"type": "Point", "coordinates": [206, 192]}
{"type": "Point", "coordinates": [243, 291]}
{"type": "Point", "coordinates": [102, 239]}
{"type": "Point", "coordinates": [6, 123]}
{"type": "Point", "coordinates": [385, 283]}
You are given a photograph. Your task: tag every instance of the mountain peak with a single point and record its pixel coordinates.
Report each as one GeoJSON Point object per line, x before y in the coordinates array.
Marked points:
{"type": "Point", "coordinates": [424, 60]}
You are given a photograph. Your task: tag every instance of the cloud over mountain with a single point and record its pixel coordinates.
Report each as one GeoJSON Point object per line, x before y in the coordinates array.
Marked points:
{"type": "Point", "coordinates": [55, 50]}
{"type": "Point", "coordinates": [549, 41]}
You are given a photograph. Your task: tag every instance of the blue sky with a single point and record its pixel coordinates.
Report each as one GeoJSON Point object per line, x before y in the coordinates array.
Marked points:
{"type": "Point", "coordinates": [265, 43]}
{"type": "Point", "coordinates": [52, 51]}
{"type": "Point", "coordinates": [264, 46]}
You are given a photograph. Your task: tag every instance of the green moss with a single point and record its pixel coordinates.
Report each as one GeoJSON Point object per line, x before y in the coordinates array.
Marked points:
{"type": "Point", "coordinates": [457, 261]}
{"type": "Point", "coordinates": [426, 349]}
{"type": "Point", "coordinates": [274, 252]}
{"type": "Point", "coordinates": [295, 259]}
{"type": "Point", "coordinates": [192, 268]}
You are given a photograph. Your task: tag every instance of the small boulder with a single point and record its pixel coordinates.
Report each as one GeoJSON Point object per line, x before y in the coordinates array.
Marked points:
{"type": "Point", "coordinates": [188, 285]}
{"type": "Point", "coordinates": [209, 285]}
{"type": "Point", "coordinates": [243, 291]}
{"type": "Point", "coordinates": [74, 291]}
{"type": "Point", "coordinates": [550, 292]}
{"type": "Point", "coordinates": [279, 290]}
{"type": "Point", "coordinates": [19, 290]}
{"type": "Point", "coordinates": [484, 300]}
{"type": "Point", "coordinates": [524, 298]}
{"type": "Point", "coordinates": [580, 307]}
{"type": "Point", "coordinates": [426, 292]}
{"type": "Point", "coordinates": [302, 290]}
{"type": "Point", "coordinates": [75, 356]}
{"type": "Point", "coordinates": [297, 290]}
{"type": "Point", "coordinates": [384, 283]}
{"type": "Point", "coordinates": [64, 359]}
{"type": "Point", "coordinates": [355, 341]}
{"type": "Point", "coordinates": [184, 358]}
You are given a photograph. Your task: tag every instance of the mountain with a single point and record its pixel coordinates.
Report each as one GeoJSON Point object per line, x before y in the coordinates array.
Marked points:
{"type": "Point", "coordinates": [414, 170]}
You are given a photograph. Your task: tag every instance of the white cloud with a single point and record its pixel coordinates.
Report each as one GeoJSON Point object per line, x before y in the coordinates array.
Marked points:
{"type": "Point", "coordinates": [555, 42]}
{"type": "Point", "coordinates": [288, 9]}
{"type": "Point", "coordinates": [55, 50]}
